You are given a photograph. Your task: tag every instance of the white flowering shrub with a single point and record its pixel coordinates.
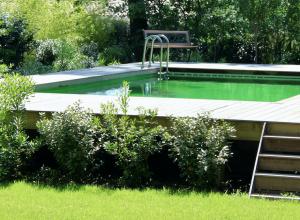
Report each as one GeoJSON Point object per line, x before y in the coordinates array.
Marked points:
{"type": "Point", "coordinates": [118, 9]}
{"type": "Point", "coordinates": [47, 51]}
{"type": "Point", "coordinates": [200, 147]}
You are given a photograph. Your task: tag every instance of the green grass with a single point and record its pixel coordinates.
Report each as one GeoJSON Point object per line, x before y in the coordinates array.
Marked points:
{"type": "Point", "coordinates": [25, 201]}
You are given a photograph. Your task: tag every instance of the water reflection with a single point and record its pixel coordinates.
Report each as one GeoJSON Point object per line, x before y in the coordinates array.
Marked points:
{"type": "Point", "coordinates": [109, 92]}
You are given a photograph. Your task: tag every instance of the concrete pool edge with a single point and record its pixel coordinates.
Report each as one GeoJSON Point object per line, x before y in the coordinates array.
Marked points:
{"type": "Point", "coordinates": [94, 73]}
{"type": "Point", "coordinates": [89, 75]}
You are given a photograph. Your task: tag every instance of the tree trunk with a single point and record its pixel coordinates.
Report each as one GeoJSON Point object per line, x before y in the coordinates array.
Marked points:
{"type": "Point", "coordinates": [138, 22]}
{"type": "Point", "coordinates": [256, 44]}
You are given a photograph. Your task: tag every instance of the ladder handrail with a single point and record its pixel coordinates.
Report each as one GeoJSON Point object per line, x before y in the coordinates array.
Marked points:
{"type": "Point", "coordinates": [145, 49]}
{"type": "Point", "coordinates": [257, 156]}
{"type": "Point", "coordinates": [156, 37]}
{"type": "Point", "coordinates": [168, 50]}
{"type": "Point", "coordinates": [153, 38]}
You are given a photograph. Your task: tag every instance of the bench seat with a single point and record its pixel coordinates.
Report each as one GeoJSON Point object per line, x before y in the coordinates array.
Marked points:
{"type": "Point", "coordinates": [183, 43]}
{"type": "Point", "coordinates": [173, 45]}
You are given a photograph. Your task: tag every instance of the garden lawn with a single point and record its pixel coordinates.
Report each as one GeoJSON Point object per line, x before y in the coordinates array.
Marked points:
{"type": "Point", "coordinates": [25, 201]}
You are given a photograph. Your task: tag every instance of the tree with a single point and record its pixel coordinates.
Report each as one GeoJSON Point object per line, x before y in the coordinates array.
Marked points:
{"type": "Point", "coordinates": [14, 39]}
{"type": "Point", "coordinates": [265, 19]}
{"type": "Point", "coordinates": [138, 22]}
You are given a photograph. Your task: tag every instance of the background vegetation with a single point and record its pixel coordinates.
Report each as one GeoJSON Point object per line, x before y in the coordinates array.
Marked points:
{"type": "Point", "coordinates": [245, 31]}
{"type": "Point", "coordinates": [39, 36]}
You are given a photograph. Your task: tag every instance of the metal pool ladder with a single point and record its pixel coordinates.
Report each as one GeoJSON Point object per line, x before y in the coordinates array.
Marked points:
{"type": "Point", "coordinates": [160, 38]}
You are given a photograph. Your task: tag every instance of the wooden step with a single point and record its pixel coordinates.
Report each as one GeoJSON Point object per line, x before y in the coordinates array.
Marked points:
{"type": "Point", "coordinates": [277, 182]}
{"type": "Point", "coordinates": [280, 137]}
{"type": "Point", "coordinates": [288, 129]}
{"type": "Point", "coordinates": [279, 162]}
{"type": "Point", "coordinates": [278, 151]}
{"type": "Point", "coordinates": [286, 144]}
{"type": "Point", "coordinates": [275, 197]}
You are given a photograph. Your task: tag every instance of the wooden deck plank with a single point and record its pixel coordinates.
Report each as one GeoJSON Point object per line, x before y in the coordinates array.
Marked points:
{"type": "Point", "coordinates": [263, 112]}
{"type": "Point", "coordinates": [237, 67]}
{"type": "Point", "coordinates": [241, 108]}
{"type": "Point", "coordinates": [282, 111]}
{"type": "Point", "coordinates": [228, 110]}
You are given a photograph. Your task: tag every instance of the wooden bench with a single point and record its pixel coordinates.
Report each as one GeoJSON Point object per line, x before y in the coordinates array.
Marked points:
{"type": "Point", "coordinates": [178, 40]}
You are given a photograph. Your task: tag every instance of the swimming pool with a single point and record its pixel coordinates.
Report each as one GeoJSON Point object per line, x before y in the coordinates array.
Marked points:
{"type": "Point", "coordinates": [267, 88]}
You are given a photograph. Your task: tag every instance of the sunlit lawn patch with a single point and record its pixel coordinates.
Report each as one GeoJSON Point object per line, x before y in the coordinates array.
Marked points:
{"type": "Point", "coordinates": [25, 201]}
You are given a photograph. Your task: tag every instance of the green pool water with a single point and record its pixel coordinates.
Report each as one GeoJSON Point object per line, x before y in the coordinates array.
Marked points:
{"type": "Point", "coordinates": [201, 88]}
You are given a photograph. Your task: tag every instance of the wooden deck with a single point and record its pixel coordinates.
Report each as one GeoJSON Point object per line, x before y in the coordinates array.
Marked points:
{"type": "Point", "coordinates": [227, 67]}
{"type": "Point", "coordinates": [283, 111]}
{"type": "Point", "coordinates": [248, 114]}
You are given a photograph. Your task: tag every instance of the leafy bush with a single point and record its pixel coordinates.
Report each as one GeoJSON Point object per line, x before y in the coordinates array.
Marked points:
{"type": "Point", "coordinates": [31, 65]}
{"type": "Point", "coordinates": [131, 140]}
{"type": "Point", "coordinates": [90, 50]}
{"type": "Point", "coordinates": [70, 136]}
{"type": "Point", "coordinates": [15, 147]}
{"type": "Point", "coordinates": [112, 54]}
{"type": "Point", "coordinates": [47, 51]}
{"type": "Point", "coordinates": [58, 55]}
{"type": "Point", "coordinates": [14, 39]}
{"type": "Point", "coordinates": [69, 57]}
{"type": "Point", "coordinates": [3, 69]}
{"type": "Point", "coordinates": [200, 147]}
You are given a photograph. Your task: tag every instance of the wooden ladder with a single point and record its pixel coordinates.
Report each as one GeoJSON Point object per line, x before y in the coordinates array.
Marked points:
{"type": "Point", "coordinates": [276, 173]}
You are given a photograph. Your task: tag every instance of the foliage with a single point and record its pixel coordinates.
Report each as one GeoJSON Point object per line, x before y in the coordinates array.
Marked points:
{"type": "Point", "coordinates": [14, 39]}
{"type": "Point", "coordinates": [15, 90]}
{"type": "Point", "coordinates": [48, 19]}
{"type": "Point", "coordinates": [56, 55]}
{"type": "Point", "coordinates": [90, 50]}
{"type": "Point", "coordinates": [3, 69]}
{"type": "Point", "coordinates": [112, 54]}
{"type": "Point", "coordinates": [31, 65]}
{"type": "Point", "coordinates": [69, 57]}
{"type": "Point", "coordinates": [131, 140]}
{"type": "Point", "coordinates": [68, 34]}
{"type": "Point", "coordinates": [226, 30]}
{"type": "Point", "coordinates": [15, 147]}
{"type": "Point", "coordinates": [47, 51]}
{"type": "Point", "coordinates": [70, 136]}
{"type": "Point", "coordinates": [200, 147]}
{"type": "Point", "coordinates": [234, 31]}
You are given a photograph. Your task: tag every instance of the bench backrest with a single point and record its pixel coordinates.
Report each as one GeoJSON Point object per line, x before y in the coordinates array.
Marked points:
{"type": "Point", "coordinates": [185, 36]}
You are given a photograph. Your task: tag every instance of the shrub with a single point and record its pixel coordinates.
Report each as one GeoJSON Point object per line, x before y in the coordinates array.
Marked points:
{"type": "Point", "coordinates": [14, 39]}
{"type": "Point", "coordinates": [15, 147]}
{"type": "Point", "coordinates": [47, 51]}
{"type": "Point", "coordinates": [58, 55]}
{"type": "Point", "coordinates": [31, 65]}
{"type": "Point", "coordinates": [69, 57]}
{"type": "Point", "coordinates": [114, 53]}
{"type": "Point", "coordinates": [131, 140]}
{"type": "Point", "coordinates": [90, 50]}
{"type": "Point", "coordinates": [200, 147]}
{"type": "Point", "coordinates": [70, 136]}
{"type": "Point", "coordinates": [3, 69]}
